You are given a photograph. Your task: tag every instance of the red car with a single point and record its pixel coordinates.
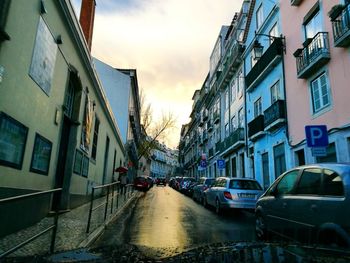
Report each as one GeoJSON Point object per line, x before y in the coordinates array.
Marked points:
{"type": "Point", "coordinates": [141, 183]}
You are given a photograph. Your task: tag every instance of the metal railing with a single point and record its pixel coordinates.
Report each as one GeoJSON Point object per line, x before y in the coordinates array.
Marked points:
{"type": "Point", "coordinates": [52, 227]}
{"type": "Point", "coordinates": [114, 192]}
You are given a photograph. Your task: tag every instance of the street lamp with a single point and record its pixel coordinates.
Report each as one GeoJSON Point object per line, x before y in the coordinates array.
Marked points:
{"type": "Point", "coordinates": [258, 48]}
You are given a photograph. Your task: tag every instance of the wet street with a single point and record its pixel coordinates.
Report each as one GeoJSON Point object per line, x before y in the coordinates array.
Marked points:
{"type": "Point", "coordinates": [165, 222]}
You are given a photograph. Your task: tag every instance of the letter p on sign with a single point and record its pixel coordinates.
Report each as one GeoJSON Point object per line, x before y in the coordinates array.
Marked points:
{"type": "Point", "coordinates": [316, 135]}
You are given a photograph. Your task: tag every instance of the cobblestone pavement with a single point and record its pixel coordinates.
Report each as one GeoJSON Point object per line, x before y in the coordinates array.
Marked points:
{"type": "Point", "coordinates": [71, 231]}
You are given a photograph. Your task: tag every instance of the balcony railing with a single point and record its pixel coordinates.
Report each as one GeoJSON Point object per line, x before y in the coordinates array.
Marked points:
{"type": "Point", "coordinates": [210, 125]}
{"type": "Point", "coordinates": [233, 141]}
{"type": "Point", "coordinates": [274, 115]}
{"type": "Point", "coordinates": [265, 64]}
{"type": "Point", "coordinates": [313, 56]}
{"type": "Point", "coordinates": [341, 27]}
{"type": "Point", "coordinates": [232, 59]}
{"type": "Point", "coordinates": [256, 126]}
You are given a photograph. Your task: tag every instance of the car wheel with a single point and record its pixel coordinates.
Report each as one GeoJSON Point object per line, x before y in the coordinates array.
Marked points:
{"type": "Point", "coordinates": [260, 227]}
{"type": "Point", "coordinates": [217, 207]}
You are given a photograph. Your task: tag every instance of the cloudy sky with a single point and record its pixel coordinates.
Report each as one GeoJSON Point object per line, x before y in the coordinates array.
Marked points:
{"type": "Point", "coordinates": [169, 43]}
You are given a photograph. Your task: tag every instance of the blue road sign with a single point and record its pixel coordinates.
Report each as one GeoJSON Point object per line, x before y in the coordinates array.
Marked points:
{"type": "Point", "coordinates": [203, 163]}
{"type": "Point", "coordinates": [316, 135]}
{"type": "Point", "coordinates": [221, 164]}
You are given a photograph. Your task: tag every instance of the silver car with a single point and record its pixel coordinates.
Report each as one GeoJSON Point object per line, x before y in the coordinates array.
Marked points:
{"type": "Point", "coordinates": [233, 193]}
{"type": "Point", "coordinates": [309, 204]}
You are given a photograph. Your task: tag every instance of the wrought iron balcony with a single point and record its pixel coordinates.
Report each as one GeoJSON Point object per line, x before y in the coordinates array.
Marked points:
{"type": "Point", "coordinates": [340, 18]}
{"type": "Point", "coordinates": [313, 56]}
{"type": "Point", "coordinates": [210, 125]}
{"type": "Point", "coordinates": [256, 127]}
{"type": "Point", "coordinates": [274, 116]}
{"type": "Point", "coordinates": [231, 61]}
{"type": "Point", "coordinates": [265, 64]}
{"type": "Point", "coordinates": [233, 141]}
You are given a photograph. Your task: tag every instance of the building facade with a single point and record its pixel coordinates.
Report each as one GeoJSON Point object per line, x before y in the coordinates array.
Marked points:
{"type": "Point", "coordinates": [57, 129]}
{"type": "Point", "coordinates": [294, 75]}
{"type": "Point", "coordinates": [317, 75]}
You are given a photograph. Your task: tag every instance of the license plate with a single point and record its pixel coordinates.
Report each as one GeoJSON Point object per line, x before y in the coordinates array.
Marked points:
{"type": "Point", "coordinates": [245, 195]}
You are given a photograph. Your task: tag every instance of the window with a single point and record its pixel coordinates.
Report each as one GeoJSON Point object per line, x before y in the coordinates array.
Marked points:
{"type": "Point", "coordinates": [313, 25]}
{"type": "Point", "coordinates": [257, 108]}
{"type": "Point", "coordinates": [310, 182]}
{"type": "Point", "coordinates": [233, 90]}
{"type": "Point", "coordinates": [286, 184]}
{"type": "Point", "coordinates": [275, 92]}
{"type": "Point", "coordinates": [320, 93]}
{"type": "Point", "coordinates": [259, 17]}
{"type": "Point", "coordinates": [274, 32]}
{"type": "Point", "coordinates": [240, 118]}
{"type": "Point", "coordinates": [41, 155]}
{"type": "Point", "coordinates": [95, 139]}
{"type": "Point", "coordinates": [227, 130]}
{"type": "Point", "coordinates": [332, 184]}
{"type": "Point", "coordinates": [227, 104]}
{"type": "Point", "coordinates": [233, 123]}
{"type": "Point", "coordinates": [300, 157]}
{"type": "Point", "coordinates": [280, 162]}
{"type": "Point", "coordinates": [240, 85]}
{"type": "Point", "coordinates": [13, 137]}
{"type": "Point", "coordinates": [331, 154]}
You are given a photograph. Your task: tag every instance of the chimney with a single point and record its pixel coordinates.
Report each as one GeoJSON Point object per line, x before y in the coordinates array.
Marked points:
{"type": "Point", "coordinates": [87, 15]}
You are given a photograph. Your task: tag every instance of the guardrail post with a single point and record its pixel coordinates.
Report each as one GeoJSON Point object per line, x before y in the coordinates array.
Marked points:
{"type": "Point", "coordinates": [54, 231]}
{"type": "Point", "coordinates": [112, 198]}
{"type": "Point", "coordinates": [118, 191]}
{"type": "Point", "coordinates": [90, 210]}
{"type": "Point", "coordinates": [106, 208]}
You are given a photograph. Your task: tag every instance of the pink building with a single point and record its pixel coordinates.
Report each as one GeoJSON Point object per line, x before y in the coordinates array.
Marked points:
{"type": "Point", "coordinates": [317, 73]}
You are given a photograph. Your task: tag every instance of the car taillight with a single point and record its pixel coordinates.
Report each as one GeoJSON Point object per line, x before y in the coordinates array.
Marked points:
{"type": "Point", "coordinates": [227, 195]}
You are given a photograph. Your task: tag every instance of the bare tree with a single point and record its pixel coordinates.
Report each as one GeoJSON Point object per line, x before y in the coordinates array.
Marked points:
{"type": "Point", "coordinates": [154, 130]}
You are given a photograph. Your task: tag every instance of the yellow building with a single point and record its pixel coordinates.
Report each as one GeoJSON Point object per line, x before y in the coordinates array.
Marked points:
{"type": "Point", "coordinates": [56, 125]}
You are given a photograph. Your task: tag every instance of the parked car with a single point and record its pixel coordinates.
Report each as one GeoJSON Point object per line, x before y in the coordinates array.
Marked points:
{"type": "Point", "coordinates": [309, 204]}
{"type": "Point", "coordinates": [233, 193]}
{"type": "Point", "coordinates": [142, 183]}
{"type": "Point", "coordinates": [204, 184]}
{"type": "Point", "coordinates": [161, 181]}
{"type": "Point", "coordinates": [185, 184]}
{"type": "Point", "coordinates": [189, 189]}
{"type": "Point", "coordinates": [150, 181]}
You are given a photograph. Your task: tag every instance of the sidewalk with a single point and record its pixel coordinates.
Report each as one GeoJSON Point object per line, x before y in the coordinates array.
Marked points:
{"type": "Point", "coordinates": [71, 232]}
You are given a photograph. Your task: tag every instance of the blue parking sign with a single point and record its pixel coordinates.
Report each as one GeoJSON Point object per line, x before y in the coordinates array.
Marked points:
{"type": "Point", "coordinates": [221, 164]}
{"type": "Point", "coordinates": [316, 135]}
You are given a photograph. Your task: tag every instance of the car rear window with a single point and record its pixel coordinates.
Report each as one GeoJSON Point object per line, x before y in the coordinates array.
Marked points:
{"type": "Point", "coordinates": [244, 184]}
{"type": "Point", "coordinates": [209, 181]}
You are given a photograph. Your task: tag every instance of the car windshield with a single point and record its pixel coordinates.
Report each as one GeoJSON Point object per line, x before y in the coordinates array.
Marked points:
{"type": "Point", "coordinates": [244, 184]}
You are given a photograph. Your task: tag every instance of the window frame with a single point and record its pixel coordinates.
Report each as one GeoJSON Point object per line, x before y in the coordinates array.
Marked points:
{"type": "Point", "coordinates": [22, 132]}
{"type": "Point", "coordinates": [275, 92]}
{"type": "Point", "coordinates": [259, 15]}
{"type": "Point", "coordinates": [258, 107]}
{"type": "Point", "coordinates": [328, 89]}
{"type": "Point", "coordinates": [36, 143]}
